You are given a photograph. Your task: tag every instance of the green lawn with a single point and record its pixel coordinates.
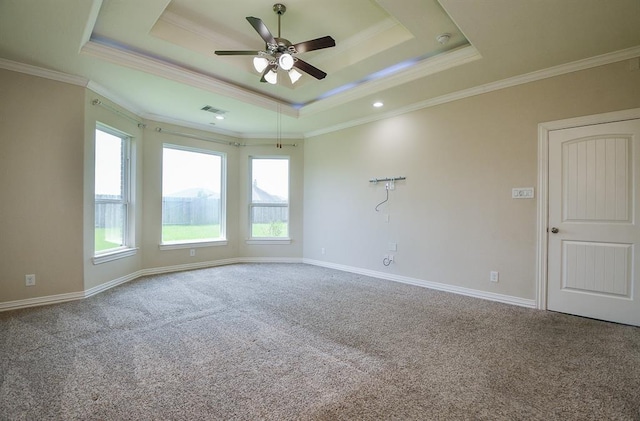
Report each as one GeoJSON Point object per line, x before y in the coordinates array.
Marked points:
{"type": "Point", "coordinates": [198, 232]}
{"type": "Point", "coordinates": [100, 242]}
{"type": "Point", "coordinates": [189, 232]}
{"type": "Point", "coordinates": [273, 230]}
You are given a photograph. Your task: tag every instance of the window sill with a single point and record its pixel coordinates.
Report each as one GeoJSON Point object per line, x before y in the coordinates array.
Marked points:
{"type": "Point", "coordinates": [192, 244]}
{"type": "Point", "coordinates": [114, 255]}
{"type": "Point", "coordinates": [269, 241]}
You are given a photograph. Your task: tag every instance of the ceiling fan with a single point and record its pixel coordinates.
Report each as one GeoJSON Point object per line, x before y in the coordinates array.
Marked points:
{"type": "Point", "coordinates": [281, 53]}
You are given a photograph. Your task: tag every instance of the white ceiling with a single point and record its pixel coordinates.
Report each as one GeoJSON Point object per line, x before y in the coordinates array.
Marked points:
{"type": "Point", "coordinates": [156, 56]}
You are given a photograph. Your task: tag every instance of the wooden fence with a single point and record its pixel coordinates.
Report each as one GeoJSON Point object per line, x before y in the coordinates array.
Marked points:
{"type": "Point", "coordinates": [190, 211]}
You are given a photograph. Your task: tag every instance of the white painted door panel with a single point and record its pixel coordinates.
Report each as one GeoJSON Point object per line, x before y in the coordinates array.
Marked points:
{"type": "Point", "coordinates": [593, 260]}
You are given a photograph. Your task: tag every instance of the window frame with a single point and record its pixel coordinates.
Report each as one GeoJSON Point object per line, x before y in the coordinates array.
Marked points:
{"type": "Point", "coordinates": [128, 247]}
{"type": "Point", "coordinates": [268, 240]}
{"type": "Point", "coordinates": [183, 244]}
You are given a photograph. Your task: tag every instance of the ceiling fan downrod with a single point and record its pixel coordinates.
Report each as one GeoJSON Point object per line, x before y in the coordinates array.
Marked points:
{"type": "Point", "coordinates": [279, 8]}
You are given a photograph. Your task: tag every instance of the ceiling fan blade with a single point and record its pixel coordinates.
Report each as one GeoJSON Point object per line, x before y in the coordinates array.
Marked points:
{"type": "Point", "coordinates": [315, 44]}
{"type": "Point", "coordinates": [262, 30]}
{"type": "Point", "coordinates": [268, 68]}
{"type": "Point", "coordinates": [236, 53]}
{"type": "Point", "coordinates": [309, 69]}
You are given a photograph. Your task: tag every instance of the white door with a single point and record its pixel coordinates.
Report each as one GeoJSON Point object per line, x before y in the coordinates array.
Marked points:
{"type": "Point", "coordinates": [594, 212]}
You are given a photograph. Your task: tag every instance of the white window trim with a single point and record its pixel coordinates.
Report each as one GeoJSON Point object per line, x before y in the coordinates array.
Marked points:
{"type": "Point", "coordinates": [116, 254]}
{"type": "Point", "coordinates": [279, 241]}
{"type": "Point", "coordinates": [268, 240]}
{"type": "Point", "coordinates": [189, 244]}
{"type": "Point", "coordinates": [129, 248]}
{"type": "Point", "coordinates": [210, 242]}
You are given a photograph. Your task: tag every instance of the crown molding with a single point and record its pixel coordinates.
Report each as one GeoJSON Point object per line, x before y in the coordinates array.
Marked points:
{"type": "Point", "coordinates": [28, 69]}
{"type": "Point", "coordinates": [179, 21]}
{"type": "Point", "coordinates": [559, 70]}
{"type": "Point", "coordinates": [421, 69]}
{"type": "Point", "coordinates": [166, 70]}
{"type": "Point", "coordinates": [91, 22]}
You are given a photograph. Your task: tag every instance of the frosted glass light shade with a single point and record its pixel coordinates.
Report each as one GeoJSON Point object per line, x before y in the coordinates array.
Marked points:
{"type": "Point", "coordinates": [294, 75]}
{"type": "Point", "coordinates": [286, 61]}
{"type": "Point", "coordinates": [260, 63]}
{"type": "Point", "coordinates": [271, 77]}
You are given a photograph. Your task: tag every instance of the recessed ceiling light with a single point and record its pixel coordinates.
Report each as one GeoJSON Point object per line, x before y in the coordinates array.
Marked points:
{"type": "Point", "coordinates": [219, 117]}
{"type": "Point", "coordinates": [378, 104]}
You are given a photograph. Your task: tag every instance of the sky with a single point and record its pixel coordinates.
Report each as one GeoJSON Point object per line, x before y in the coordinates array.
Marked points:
{"type": "Point", "coordinates": [185, 170]}
{"type": "Point", "coordinates": [108, 157]}
{"type": "Point", "coordinates": [270, 174]}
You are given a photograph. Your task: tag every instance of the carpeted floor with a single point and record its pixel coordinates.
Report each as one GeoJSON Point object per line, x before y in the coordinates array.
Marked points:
{"type": "Point", "coordinates": [298, 342]}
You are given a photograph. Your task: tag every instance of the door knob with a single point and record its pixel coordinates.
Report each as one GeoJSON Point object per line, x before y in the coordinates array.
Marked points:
{"type": "Point", "coordinates": [555, 230]}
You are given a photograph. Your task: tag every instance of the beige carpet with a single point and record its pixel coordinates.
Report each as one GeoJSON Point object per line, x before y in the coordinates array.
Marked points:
{"type": "Point", "coordinates": [298, 342]}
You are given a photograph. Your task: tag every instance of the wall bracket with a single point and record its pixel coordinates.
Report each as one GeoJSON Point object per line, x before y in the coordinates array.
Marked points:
{"type": "Point", "coordinates": [376, 180]}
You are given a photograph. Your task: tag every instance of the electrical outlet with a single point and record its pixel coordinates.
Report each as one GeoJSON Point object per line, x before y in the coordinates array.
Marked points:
{"type": "Point", "coordinates": [29, 280]}
{"type": "Point", "coordinates": [192, 252]}
{"type": "Point", "coordinates": [494, 276]}
{"type": "Point", "coordinates": [393, 246]}
{"type": "Point", "coordinates": [322, 251]}
{"type": "Point", "coordinates": [391, 258]}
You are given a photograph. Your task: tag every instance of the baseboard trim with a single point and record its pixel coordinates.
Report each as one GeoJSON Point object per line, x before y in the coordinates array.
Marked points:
{"type": "Point", "coordinates": [41, 301]}
{"type": "Point", "coordinates": [269, 260]}
{"type": "Point", "coordinates": [111, 284]}
{"type": "Point", "coordinates": [491, 296]}
{"type": "Point", "coordinates": [61, 298]}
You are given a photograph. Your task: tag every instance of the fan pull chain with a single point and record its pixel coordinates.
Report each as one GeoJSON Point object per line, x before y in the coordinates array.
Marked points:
{"type": "Point", "coordinates": [279, 121]}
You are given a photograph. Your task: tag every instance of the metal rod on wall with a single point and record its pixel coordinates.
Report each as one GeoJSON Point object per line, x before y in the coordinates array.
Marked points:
{"type": "Point", "coordinates": [210, 139]}
{"type": "Point", "coordinates": [117, 111]}
{"type": "Point", "coordinates": [193, 136]}
{"type": "Point", "coordinates": [376, 180]}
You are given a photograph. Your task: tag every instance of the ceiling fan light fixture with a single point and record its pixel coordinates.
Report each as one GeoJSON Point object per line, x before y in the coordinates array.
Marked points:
{"type": "Point", "coordinates": [286, 61]}
{"type": "Point", "coordinates": [280, 53]}
{"type": "Point", "coordinates": [271, 77]}
{"type": "Point", "coordinates": [294, 75]}
{"type": "Point", "coordinates": [260, 63]}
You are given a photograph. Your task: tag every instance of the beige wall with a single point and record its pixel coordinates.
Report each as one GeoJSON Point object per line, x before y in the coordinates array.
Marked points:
{"type": "Point", "coordinates": [41, 170]}
{"type": "Point", "coordinates": [47, 136]}
{"type": "Point", "coordinates": [453, 218]}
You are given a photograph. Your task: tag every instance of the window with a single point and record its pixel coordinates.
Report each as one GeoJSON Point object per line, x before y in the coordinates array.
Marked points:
{"type": "Point", "coordinates": [111, 191]}
{"type": "Point", "coordinates": [269, 208]}
{"type": "Point", "coordinates": [192, 195]}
